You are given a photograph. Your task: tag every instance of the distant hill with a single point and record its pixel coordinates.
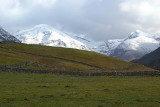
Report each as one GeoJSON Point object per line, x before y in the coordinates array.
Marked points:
{"type": "Point", "coordinates": [36, 57]}
{"type": "Point", "coordinates": [151, 60]}
{"type": "Point", "coordinates": [7, 37]}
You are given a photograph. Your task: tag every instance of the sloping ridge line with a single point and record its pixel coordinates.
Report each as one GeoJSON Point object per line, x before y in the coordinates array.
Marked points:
{"type": "Point", "coordinates": [55, 58]}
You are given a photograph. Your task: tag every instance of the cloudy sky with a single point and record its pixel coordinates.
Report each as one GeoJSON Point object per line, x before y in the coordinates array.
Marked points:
{"type": "Point", "coordinates": [97, 19]}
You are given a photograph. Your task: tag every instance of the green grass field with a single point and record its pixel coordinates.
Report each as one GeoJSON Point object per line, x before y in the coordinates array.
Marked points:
{"type": "Point", "coordinates": [53, 90]}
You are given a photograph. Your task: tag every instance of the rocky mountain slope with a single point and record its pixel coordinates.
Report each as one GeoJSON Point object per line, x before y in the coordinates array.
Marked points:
{"type": "Point", "coordinates": [7, 37]}
{"type": "Point", "coordinates": [151, 60]}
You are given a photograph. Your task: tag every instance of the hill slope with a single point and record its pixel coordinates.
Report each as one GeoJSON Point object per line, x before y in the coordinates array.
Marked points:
{"type": "Point", "coordinates": [36, 57]}
{"type": "Point", "coordinates": [151, 60]}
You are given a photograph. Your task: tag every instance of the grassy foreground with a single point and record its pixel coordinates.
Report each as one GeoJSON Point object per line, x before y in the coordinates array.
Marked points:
{"type": "Point", "coordinates": [53, 90]}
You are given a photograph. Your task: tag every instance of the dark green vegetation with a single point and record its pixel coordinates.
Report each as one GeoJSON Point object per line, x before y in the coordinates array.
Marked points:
{"type": "Point", "coordinates": [151, 60]}
{"type": "Point", "coordinates": [53, 90]}
{"type": "Point", "coordinates": [35, 57]}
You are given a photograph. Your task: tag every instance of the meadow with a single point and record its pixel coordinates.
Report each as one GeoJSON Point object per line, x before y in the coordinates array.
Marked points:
{"type": "Point", "coordinates": [54, 90]}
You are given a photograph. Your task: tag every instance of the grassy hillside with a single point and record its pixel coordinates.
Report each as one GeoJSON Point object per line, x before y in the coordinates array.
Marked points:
{"type": "Point", "coordinates": [151, 60]}
{"type": "Point", "coordinates": [45, 90]}
{"type": "Point", "coordinates": [35, 57]}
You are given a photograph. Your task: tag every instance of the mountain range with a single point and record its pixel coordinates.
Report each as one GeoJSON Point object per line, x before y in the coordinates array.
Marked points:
{"type": "Point", "coordinates": [134, 46]}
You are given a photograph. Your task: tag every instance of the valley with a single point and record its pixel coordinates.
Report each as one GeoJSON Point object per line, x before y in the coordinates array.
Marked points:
{"type": "Point", "coordinates": [79, 53]}
{"type": "Point", "coordinates": [35, 75]}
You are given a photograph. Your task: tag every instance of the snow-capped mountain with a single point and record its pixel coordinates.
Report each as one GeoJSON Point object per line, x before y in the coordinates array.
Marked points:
{"type": "Point", "coordinates": [136, 45]}
{"type": "Point", "coordinates": [7, 37]}
{"type": "Point", "coordinates": [46, 35]}
{"type": "Point", "coordinates": [107, 46]}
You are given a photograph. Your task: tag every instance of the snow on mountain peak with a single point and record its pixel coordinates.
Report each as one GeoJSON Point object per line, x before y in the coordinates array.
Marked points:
{"type": "Point", "coordinates": [136, 34]}
{"type": "Point", "coordinates": [42, 26]}
{"type": "Point", "coordinates": [139, 31]}
{"type": "Point", "coordinates": [46, 35]}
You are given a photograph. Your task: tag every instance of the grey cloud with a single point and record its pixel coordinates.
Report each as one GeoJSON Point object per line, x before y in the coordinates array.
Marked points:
{"type": "Point", "coordinates": [98, 19]}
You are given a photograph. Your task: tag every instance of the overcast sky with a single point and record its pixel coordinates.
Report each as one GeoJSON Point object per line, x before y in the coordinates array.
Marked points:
{"type": "Point", "coordinates": [97, 19]}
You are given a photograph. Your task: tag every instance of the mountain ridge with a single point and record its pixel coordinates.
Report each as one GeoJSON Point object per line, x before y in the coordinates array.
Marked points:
{"type": "Point", "coordinates": [6, 36]}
